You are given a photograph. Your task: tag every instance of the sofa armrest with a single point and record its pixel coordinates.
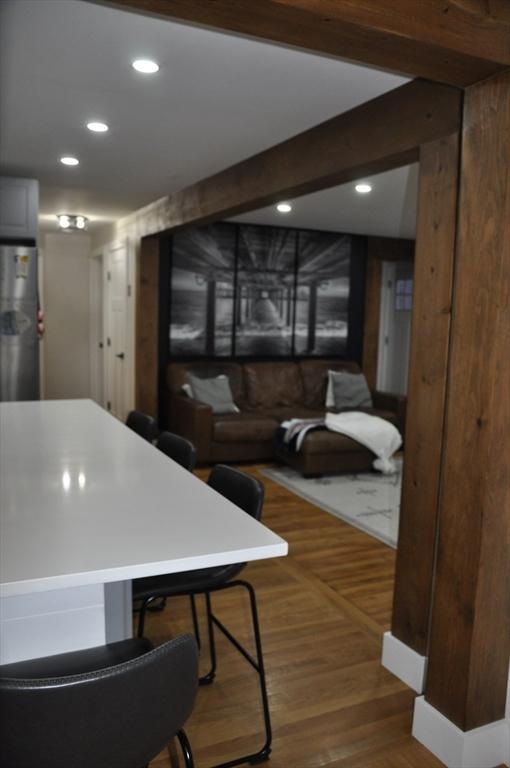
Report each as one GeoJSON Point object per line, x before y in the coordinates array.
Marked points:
{"type": "Point", "coordinates": [388, 401]}
{"type": "Point", "coordinates": [193, 420]}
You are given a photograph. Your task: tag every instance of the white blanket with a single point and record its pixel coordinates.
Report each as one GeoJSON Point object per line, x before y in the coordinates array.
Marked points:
{"type": "Point", "coordinates": [376, 434]}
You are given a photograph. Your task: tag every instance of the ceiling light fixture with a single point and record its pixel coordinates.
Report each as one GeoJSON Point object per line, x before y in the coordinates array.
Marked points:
{"type": "Point", "coordinates": [145, 66]}
{"type": "Point", "coordinates": [363, 189]}
{"type": "Point", "coordinates": [284, 207]}
{"type": "Point", "coordinates": [97, 127]}
{"type": "Point", "coordinates": [69, 160]}
{"type": "Point", "coordinates": [71, 222]}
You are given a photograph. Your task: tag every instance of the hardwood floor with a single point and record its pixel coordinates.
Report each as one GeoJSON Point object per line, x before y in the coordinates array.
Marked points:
{"type": "Point", "coordinates": [323, 610]}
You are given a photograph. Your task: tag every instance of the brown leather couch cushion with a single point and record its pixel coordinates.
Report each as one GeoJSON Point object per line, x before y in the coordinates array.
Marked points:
{"type": "Point", "coordinates": [243, 428]}
{"type": "Point", "coordinates": [271, 385]}
{"type": "Point", "coordinates": [293, 412]}
{"type": "Point", "coordinates": [314, 374]}
{"type": "Point", "coordinates": [177, 375]}
{"type": "Point", "coordinates": [323, 441]}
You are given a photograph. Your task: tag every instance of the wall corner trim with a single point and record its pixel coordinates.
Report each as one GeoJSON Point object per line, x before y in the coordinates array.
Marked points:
{"type": "Point", "coordinates": [484, 747]}
{"type": "Point", "coordinates": [406, 664]}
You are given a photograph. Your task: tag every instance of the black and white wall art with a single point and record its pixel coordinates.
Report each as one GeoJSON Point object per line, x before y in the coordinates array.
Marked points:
{"type": "Point", "coordinates": [241, 290]}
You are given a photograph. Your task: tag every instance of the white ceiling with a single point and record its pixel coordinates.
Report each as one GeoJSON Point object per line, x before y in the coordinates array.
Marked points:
{"type": "Point", "coordinates": [217, 99]}
{"type": "Point", "coordinates": [388, 210]}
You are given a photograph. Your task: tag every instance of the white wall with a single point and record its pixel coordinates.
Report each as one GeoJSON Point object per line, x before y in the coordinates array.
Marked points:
{"type": "Point", "coordinates": [66, 285]}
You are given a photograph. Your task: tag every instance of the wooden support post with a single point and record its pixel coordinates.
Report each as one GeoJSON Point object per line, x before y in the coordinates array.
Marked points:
{"type": "Point", "coordinates": [470, 628]}
{"type": "Point", "coordinates": [371, 320]}
{"type": "Point", "coordinates": [433, 276]}
{"type": "Point", "coordinates": [147, 328]}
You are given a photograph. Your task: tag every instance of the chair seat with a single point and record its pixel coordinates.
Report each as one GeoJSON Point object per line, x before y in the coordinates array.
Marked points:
{"type": "Point", "coordinates": [77, 662]}
{"type": "Point", "coordinates": [202, 580]}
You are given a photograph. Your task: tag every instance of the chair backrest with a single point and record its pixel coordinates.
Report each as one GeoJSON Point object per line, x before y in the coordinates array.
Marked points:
{"type": "Point", "coordinates": [241, 489]}
{"type": "Point", "coordinates": [121, 716]}
{"type": "Point", "coordinates": [143, 425]}
{"type": "Point", "coordinates": [179, 449]}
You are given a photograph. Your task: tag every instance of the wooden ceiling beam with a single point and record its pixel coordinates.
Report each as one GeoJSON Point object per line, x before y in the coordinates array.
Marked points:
{"type": "Point", "coordinates": [458, 42]}
{"type": "Point", "coordinates": [379, 135]}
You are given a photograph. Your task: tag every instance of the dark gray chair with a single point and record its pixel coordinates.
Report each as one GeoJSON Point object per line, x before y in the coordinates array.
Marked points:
{"type": "Point", "coordinates": [115, 706]}
{"type": "Point", "coordinates": [179, 449]}
{"type": "Point", "coordinates": [248, 494]}
{"type": "Point", "coordinates": [143, 425]}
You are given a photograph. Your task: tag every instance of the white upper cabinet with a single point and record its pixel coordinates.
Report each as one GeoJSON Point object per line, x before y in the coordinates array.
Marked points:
{"type": "Point", "coordinates": [19, 205]}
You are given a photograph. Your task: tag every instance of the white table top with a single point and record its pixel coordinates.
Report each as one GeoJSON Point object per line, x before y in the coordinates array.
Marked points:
{"type": "Point", "coordinates": [84, 500]}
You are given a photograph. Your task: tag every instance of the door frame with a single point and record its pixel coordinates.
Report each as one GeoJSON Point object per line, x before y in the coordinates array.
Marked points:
{"type": "Point", "coordinates": [386, 329]}
{"type": "Point", "coordinates": [108, 362]}
{"type": "Point", "coordinates": [97, 327]}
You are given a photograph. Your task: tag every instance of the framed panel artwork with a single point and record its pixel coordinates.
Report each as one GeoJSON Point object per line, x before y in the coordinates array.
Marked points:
{"type": "Point", "coordinates": [242, 290]}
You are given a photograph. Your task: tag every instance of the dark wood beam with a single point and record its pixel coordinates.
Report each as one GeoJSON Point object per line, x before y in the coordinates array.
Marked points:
{"type": "Point", "coordinates": [390, 248]}
{"type": "Point", "coordinates": [381, 134]}
{"type": "Point", "coordinates": [433, 277]}
{"type": "Point", "coordinates": [470, 630]}
{"type": "Point", "coordinates": [452, 41]}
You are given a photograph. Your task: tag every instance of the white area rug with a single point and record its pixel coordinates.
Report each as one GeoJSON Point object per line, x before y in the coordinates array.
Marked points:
{"type": "Point", "coordinates": [369, 501]}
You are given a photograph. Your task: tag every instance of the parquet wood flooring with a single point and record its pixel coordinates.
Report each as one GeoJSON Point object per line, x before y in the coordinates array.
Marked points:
{"type": "Point", "coordinates": [323, 610]}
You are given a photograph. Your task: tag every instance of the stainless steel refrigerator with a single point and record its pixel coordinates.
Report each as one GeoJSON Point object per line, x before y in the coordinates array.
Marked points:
{"type": "Point", "coordinates": [19, 344]}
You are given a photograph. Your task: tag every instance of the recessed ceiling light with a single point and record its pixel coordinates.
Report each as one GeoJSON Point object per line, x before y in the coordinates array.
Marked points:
{"type": "Point", "coordinates": [284, 207]}
{"type": "Point", "coordinates": [71, 221]}
{"type": "Point", "coordinates": [97, 127]}
{"type": "Point", "coordinates": [363, 189]}
{"type": "Point", "coordinates": [69, 160]}
{"type": "Point", "coordinates": [146, 66]}
{"type": "Point", "coordinates": [63, 221]}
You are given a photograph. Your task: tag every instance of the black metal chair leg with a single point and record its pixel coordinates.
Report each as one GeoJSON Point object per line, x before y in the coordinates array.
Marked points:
{"type": "Point", "coordinates": [266, 749]}
{"type": "Point", "coordinates": [209, 677]}
{"type": "Point", "coordinates": [186, 749]}
{"type": "Point", "coordinates": [141, 618]}
{"type": "Point", "coordinates": [196, 627]}
{"type": "Point", "coordinates": [258, 665]}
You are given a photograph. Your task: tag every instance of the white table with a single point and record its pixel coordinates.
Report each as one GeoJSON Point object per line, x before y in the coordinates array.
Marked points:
{"type": "Point", "coordinates": [85, 506]}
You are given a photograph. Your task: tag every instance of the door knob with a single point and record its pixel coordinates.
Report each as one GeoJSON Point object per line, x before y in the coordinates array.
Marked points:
{"type": "Point", "coordinates": [120, 355]}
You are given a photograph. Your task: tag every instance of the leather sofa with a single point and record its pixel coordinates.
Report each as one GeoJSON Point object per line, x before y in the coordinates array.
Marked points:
{"type": "Point", "coordinates": [266, 394]}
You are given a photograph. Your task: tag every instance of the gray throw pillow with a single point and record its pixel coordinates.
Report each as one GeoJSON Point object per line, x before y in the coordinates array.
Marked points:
{"type": "Point", "coordinates": [214, 392]}
{"type": "Point", "coordinates": [350, 390]}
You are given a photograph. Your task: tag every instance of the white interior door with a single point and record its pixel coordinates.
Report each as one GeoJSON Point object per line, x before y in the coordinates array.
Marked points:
{"type": "Point", "coordinates": [117, 288]}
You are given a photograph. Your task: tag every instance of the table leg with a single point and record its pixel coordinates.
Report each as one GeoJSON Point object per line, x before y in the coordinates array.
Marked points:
{"type": "Point", "coordinates": [118, 611]}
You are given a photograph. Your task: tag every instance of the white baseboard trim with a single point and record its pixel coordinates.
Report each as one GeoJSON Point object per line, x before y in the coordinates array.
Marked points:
{"type": "Point", "coordinates": [485, 747]}
{"type": "Point", "coordinates": [404, 663]}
